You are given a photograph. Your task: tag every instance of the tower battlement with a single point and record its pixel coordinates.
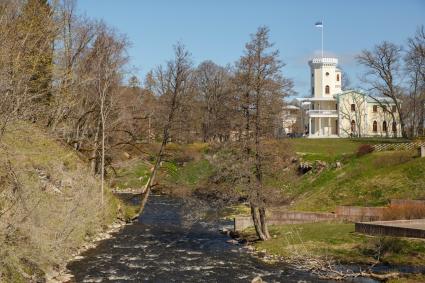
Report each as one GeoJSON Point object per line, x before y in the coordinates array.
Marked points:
{"type": "Point", "coordinates": [331, 61]}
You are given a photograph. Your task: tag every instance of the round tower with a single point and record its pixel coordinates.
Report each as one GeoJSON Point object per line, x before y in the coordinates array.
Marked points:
{"type": "Point", "coordinates": [325, 77]}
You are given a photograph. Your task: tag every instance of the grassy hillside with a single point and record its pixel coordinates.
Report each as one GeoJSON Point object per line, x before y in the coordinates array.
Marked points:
{"type": "Point", "coordinates": [49, 204]}
{"type": "Point", "coordinates": [185, 167]}
{"type": "Point", "coordinates": [332, 149]}
{"type": "Point", "coordinates": [370, 180]}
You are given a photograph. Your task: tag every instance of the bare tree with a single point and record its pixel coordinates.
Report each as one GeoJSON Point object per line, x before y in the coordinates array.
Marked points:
{"type": "Point", "coordinates": [27, 33]}
{"type": "Point", "coordinates": [172, 83]}
{"type": "Point", "coordinates": [353, 110]}
{"type": "Point", "coordinates": [415, 68]}
{"type": "Point", "coordinates": [259, 80]}
{"type": "Point", "coordinates": [105, 64]}
{"type": "Point", "coordinates": [383, 74]}
{"type": "Point", "coordinates": [213, 92]}
{"type": "Point", "coordinates": [345, 80]}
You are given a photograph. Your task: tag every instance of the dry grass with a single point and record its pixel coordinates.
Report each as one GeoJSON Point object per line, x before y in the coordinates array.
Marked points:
{"type": "Point", "coordinates": [49, 204]}
{"type": "Point", "coordinates": [404, 211]}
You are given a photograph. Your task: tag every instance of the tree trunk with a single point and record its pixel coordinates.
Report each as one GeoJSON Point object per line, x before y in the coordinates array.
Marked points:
{"type": "Point", "coordinates": [150, 181]}
{"type": "Point", "coordinates": [257, 222]}
{"type": "Point", "coordinates": [259, 172]}
{"type": "Point", "coordinates": [165, 138]}
{"type": "Point", "coordinates": [264, 227]}
{"type": "Point", "coordinates": [95, 149]}
{"type": "Point", "coordinates": [102, 166]}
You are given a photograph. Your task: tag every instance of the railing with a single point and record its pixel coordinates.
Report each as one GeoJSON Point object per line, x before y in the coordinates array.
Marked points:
{"type": "Point", "coordinates": [398, 146]}
{"type": "Point", "coordinates": [322, 112]}
{"type": "Point", "coordinates": [324, 60]}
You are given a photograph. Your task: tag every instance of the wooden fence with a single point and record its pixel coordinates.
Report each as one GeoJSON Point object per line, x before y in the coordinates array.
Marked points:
{"type": "Point", "coordinates": [398, 146]}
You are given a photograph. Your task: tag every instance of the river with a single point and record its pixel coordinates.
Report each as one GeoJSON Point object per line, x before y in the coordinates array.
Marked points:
{"type": "Point", "coordinates": [167, 246]}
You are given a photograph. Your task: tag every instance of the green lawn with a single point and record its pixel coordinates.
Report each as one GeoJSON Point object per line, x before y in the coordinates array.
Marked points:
{"type": "Point", "coordinates": [132, 175]}
{"type": "Point", "coordinates": [190, 174]}
{"type": "Point", "coordinates": [185, 166]}
{"type": "Point", "coordinates": [340, 242]}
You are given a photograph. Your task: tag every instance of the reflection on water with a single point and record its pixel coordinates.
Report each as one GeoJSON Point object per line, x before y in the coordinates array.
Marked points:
{"type": "Point", "coordinates": [162, 247]}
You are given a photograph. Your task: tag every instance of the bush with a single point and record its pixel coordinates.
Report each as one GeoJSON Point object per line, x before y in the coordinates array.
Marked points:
{"type": "Point", "coordinates": [365, 149]}
{"type": "Point", "coordinates": [404, 211]}
{"type": "Point", "coordinates": [383, 246]}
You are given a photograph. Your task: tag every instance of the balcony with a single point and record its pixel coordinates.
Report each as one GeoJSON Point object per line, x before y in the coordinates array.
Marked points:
{"type": "Point", "coordinates": [322, 113]}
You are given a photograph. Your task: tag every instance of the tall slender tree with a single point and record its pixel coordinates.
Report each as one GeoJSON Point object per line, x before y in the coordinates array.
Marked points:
{"type": "Point", "coordinates": [415, 68]}
{"type": "Point", "coordinates": [259, 79]}
{"type": "Point", "coordinates": [172, 83]}
{"type": "Point", "coordinates": [105, 65]}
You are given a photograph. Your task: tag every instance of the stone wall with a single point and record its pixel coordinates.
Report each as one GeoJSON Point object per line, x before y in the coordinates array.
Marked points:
{"type": "Point", "coordinates": [359, 213]}
{"type": "Point", "coordinates": [285, 217]}
{"type": "Point", "coordinates": [407, 202]}
{"type": "Point", "coordinates": [397, 228]}
{"type": "Point", "coordinates": [342, 213]}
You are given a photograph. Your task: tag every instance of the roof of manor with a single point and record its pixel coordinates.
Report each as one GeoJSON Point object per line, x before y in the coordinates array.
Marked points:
{"type": "Point", "coordinates": [380, 99]}
{"type": "Point", "coordinates": [369, 99]}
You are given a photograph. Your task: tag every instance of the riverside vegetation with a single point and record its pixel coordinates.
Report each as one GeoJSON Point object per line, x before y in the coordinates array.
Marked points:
{"type": "Point", "coordinates": [72, 128]}
{"type": "Point", "coordinates": [65, 188]}
{"type": "Point", "coordinates": [377, 177]}
{"type": "Point", "coordinates": [57, 210]}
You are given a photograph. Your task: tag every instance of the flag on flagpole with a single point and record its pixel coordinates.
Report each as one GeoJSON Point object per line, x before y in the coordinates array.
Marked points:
{"type": "Point", "coordinates": [319, 24]}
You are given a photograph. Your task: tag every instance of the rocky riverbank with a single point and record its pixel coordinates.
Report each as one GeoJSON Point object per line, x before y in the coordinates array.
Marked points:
{"type": "Point", "coordinates": [62, 274]}
{"type": "Point", "coordinates": [333, 251]}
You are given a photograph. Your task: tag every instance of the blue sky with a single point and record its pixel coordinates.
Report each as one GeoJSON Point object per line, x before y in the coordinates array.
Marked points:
{"type": "Point", "coordinates": [217, 30]}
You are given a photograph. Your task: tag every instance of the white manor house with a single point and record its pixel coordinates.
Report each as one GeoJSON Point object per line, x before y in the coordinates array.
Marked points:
{"type": "Point", "coordinates": [333, 112]}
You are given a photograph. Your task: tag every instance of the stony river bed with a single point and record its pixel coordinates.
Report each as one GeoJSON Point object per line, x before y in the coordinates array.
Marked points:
{"type": "Point", "coordinates": [164, 247]}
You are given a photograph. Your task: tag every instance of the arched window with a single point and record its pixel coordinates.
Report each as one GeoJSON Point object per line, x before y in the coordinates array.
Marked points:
{"type": "Point", "coordinates": [353, 126]}
{"type": "Point", "coordinates": [375, 126]}
{"type": "Point", "coordinates": [337, 77]}
{"type": "Point", "coordinates": [327, 89]}
{"type": "Point", "coordinates": [394, 127]}
{"type": "Point", "coordinates": [384, 126]}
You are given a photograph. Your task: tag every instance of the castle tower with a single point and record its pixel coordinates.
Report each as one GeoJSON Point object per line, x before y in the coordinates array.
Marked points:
{"type": "Point", "coordinates": [325, 77]}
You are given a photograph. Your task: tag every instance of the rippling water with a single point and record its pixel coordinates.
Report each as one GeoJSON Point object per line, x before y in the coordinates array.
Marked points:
{"type": "Point", "coordinates": [163, 247]}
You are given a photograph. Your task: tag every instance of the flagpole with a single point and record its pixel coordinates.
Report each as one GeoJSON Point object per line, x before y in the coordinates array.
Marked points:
{"type": "Point", "coordinates": [322, 38]}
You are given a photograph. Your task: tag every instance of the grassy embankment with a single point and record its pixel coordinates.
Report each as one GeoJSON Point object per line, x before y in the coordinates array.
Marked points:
{"type": "Point", "coordinates": [369, 180]}
{"type": "Point", "coordinates": [184, 168]}
{"type": "Point", "coordinates": [49, 204]}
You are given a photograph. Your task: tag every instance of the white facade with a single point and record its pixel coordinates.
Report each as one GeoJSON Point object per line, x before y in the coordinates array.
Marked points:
{"type": "Point", "coordinates": [290, 119]}
{"type": "Point", "coordinates": [331, 112]}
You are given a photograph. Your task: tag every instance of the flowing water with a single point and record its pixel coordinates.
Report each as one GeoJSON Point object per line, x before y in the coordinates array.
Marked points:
{"type": "Point", "coordinates": [164, 247]}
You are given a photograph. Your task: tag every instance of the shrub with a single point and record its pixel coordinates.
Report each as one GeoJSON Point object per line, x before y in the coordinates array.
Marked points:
{"type": "Point", "coordinates": [381, 246]}
{"type": "Point", "coordinates": [404, 211]}
{"type": "Point", "coordinates": [365, 149]}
